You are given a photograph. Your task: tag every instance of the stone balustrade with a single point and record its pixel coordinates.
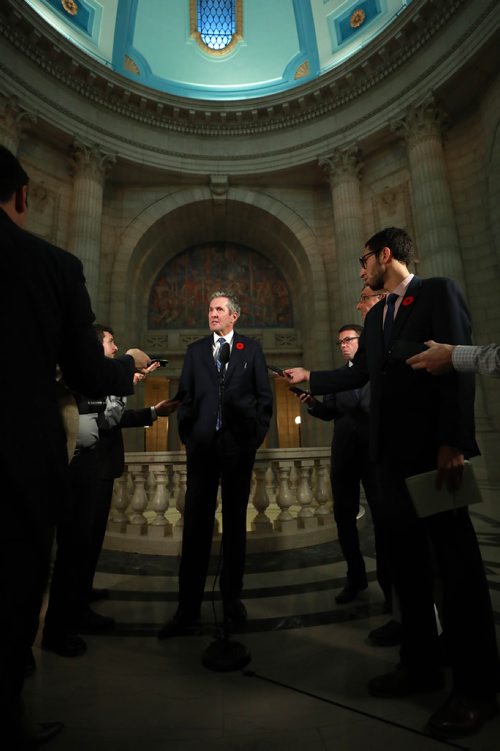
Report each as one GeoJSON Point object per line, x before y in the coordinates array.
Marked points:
{"type": "Point", "coordinates": [290, 501]}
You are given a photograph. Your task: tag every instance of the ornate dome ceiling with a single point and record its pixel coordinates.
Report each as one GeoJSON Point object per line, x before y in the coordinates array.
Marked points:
{"type": "Point", "coordinates": [220, 50]}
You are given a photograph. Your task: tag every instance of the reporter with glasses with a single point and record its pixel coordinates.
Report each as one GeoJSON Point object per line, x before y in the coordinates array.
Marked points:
{"type": "Point", "coordinates": [350, 468]}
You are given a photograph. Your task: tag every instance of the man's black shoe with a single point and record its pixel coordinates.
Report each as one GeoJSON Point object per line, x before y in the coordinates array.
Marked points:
{"type": "Point", "coordinates": [91, 622]}
{"type": "Point", "coordinates": [403, 682]}
{"type": "Point", "coordinates": [98, 594]}
{"type": "Point", "coordinates": [349, 593]}
{"type": "Point", "coordinates": [65, 645]}
{"type": "Point", "coordinates": [178, 626]}
{"type": "Point", "coordinates": [234, 612]}
{"type": "Point", "coordinates": [388, 635]}
{"type": "Point", "coordinates": [462, 716]}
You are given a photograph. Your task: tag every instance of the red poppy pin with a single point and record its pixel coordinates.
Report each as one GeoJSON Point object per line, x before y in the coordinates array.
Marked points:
{"type": "Point", "coordinates": [408, 300]}
{"type": "Point", "coordinates": [240, 345]}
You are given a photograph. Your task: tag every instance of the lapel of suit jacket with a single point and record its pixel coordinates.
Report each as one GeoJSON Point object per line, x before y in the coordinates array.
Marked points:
{"type": "Point", "coordinates": [208, 358]}
{"type": "Point", "coordinates": [407, 306]}
{"type": "Point", "coordinates": [238, 356]}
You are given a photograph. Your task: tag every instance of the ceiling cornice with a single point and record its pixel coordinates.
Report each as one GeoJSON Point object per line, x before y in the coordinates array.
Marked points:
{"type": "Point", "coordinates": [36, 40]}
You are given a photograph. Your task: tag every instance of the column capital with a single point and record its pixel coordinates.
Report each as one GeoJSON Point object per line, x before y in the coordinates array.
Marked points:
{"type": "Point", "coordinates": [90, 160]}
{"type": "Point", "coordinates": [421, 122]}
{"type": "Point", "coordinates": [14, 122]}
{"type": "Point", "coordinates": [342, 164]}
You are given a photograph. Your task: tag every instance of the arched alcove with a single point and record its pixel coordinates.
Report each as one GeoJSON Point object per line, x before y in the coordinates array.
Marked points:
{"type": "Point", "coordinates": [190, 217]}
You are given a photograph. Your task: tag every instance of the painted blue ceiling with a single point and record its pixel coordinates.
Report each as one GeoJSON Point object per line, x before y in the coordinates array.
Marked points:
{"type": "Point", "coordinates": [282, 44]}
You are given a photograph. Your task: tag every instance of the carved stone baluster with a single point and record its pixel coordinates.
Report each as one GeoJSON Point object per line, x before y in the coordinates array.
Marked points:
{"type": "Point", "coordinates": [261, 523]}
{"type": "Point", "coordinates": [118, 518]}
{"type": "Point", "coordinates": [322, 493]}
{"type": "Point", "coordinates": [160, 526]}
{"type": "Point", "coordinates": [181, 472]}
{"type": "Point", "coordinates": [151, 483]}
{"type": "Point", "coordinates": [138, 523]}
{"type": "Point", "coordinates": [305, 518]}
{"type": "Point", "coordinates": [284, 522]}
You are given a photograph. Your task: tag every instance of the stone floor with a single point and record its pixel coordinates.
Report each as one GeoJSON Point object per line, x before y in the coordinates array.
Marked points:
{"type": "Point", "coordinates": [304, 689]}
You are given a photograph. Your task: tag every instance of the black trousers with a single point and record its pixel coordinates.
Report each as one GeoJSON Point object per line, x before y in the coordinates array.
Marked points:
{"type": "Point", "coordinates": [350, 468]}
{"type": "Point", "coordinates": [67, 597]}
{"type": "Point", "coordinates": [26, 535]}
{"type": "Point", "coordinates": [100, 507]}
{"type": "Point", "coordinates": [206, 468]}
{"type": "Point", "coordinates": [443, 545]}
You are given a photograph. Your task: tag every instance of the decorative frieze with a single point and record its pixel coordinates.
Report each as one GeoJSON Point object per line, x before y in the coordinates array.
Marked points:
{"type": "Point", "coordinates": [332, 91]}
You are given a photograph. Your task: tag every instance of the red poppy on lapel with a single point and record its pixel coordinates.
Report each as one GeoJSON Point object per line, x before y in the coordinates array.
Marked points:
{"type": "Point", "coordinates": [240, 345]}
{"type": "Point", "coordinates": [408, 300]}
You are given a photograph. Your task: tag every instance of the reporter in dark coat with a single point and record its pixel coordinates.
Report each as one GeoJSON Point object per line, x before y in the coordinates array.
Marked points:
{"type": "Point", "coordinates": [45, 320]}
{"type": "Point", "coordinates": [420, 423]}
{"type": "Point", "coordinates": [351, 467]}
{"type": "Point", "coordinates": [221, 438]}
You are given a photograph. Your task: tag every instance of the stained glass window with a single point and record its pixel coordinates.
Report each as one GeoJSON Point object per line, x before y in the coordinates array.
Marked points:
{"type": "Point", "coordinates": [217, 22]}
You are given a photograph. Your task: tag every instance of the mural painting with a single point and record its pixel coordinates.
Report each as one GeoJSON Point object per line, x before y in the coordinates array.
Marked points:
{"type": "Point", "coordinates": [179, 295]}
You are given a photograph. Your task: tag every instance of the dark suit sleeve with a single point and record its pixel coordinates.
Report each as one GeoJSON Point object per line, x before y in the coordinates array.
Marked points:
{"type": "Point", "coordinates": [81, 357]}
{"type": "Point", "coordinates": [263, 394]}
{"type": "Point", "coordinates": [451, 324]}
{"type": "Point", "coordinates": [325, 410]}
{"type": "Point", "coordinates": [136, 418]}
{"type": "Point", "coordinates": [186, 412]}
{"type": "Point", "coordinates": [342, 379]}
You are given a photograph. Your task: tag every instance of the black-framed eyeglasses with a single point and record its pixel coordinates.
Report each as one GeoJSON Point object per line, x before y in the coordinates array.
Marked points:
{"type": "Point", "coordinates": [346, 340]}
{"type": "Point", "coordinates": [362, 259]}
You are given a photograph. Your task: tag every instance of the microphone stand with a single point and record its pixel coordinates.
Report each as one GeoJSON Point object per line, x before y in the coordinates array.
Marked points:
{"type": "Point", "coordinates": [223, 654]}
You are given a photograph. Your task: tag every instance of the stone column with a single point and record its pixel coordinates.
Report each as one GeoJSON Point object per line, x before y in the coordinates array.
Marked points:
{"type": "Point", "coordinates": [14, 122]}
{"type": "Point", "coordinates": [437, 238]}
{"type": "Point", "coordinates": [89, 166]}
{"type": "Point", "coordinates": [343, 169]}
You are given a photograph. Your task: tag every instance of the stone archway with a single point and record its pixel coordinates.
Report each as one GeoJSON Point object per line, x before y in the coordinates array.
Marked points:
{"type": "Point", "coordinates": [188, 217]}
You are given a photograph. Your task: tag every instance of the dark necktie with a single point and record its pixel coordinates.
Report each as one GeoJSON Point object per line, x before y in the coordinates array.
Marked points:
{"type": "Point", "coordinates": [220, 342]}
{"type": "Point", "coordinates": [389, 318]}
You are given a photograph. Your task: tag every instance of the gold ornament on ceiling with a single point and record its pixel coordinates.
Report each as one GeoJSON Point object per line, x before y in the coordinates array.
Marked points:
{"type": "Point", "coordinates": [70, 7]}
{"type": "Point", "coordinates": [131, 66]}
{"type": "Point", "coordinates": [302, 70]}
{"type": "Point", "coordinates": [357, 18]}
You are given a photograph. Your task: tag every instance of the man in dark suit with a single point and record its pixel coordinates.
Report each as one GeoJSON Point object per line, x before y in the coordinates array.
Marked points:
{"type": "Point", "coordinates": [419, 423]}
{"type": "Point", "coordinates": [46, 319]}
{"type": "Point", "coordinates": [99, 458]}
{"type": "Point", "coordinates": [350, 467]}
{"type": "Point", "coordinates": [223, 419]}
{"type": "Point", "coordinates": [110, 463]}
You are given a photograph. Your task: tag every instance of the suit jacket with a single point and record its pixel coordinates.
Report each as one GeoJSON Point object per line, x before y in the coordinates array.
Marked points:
{"type": "Point", "coordinates": [45, 320]}
{"type": "Point", "coordinates": [110, 449]}
{"type": "Point", "coordinates": [351, 412]}
{"type": "Point", "coordinates": [247, 398]}
{"type": "Point", "coordinates": [412, 413]}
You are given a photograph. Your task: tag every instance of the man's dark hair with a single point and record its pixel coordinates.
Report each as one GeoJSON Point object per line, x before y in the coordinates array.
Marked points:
{"type": "Point", "coordinates": [351, 327]}
{"type": "Point", "coordinates": [100, 328]}
{"type": "Point", "coordinates": [398, 240]}
{"type": "Point", "coordinates": [12, 175]}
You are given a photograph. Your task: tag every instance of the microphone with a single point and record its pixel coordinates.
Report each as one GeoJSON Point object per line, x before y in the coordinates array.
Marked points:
{"type": "Point", "coordinates": [224, 354]}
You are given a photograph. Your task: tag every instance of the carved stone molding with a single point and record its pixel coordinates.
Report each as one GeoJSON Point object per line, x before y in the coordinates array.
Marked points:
{"type": "Point", "coordinates": [219, 185]}
{"type": "Point", "coordinates": [90, 160]}
{"type": "Point", "coordinates": [342, 164]}
{"type": "Point", "coordinates": [423, 121]}
{"type": "Point", "coordinates": [14, 120]}
{"type": "Point", "coordinates": [24, 29]}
